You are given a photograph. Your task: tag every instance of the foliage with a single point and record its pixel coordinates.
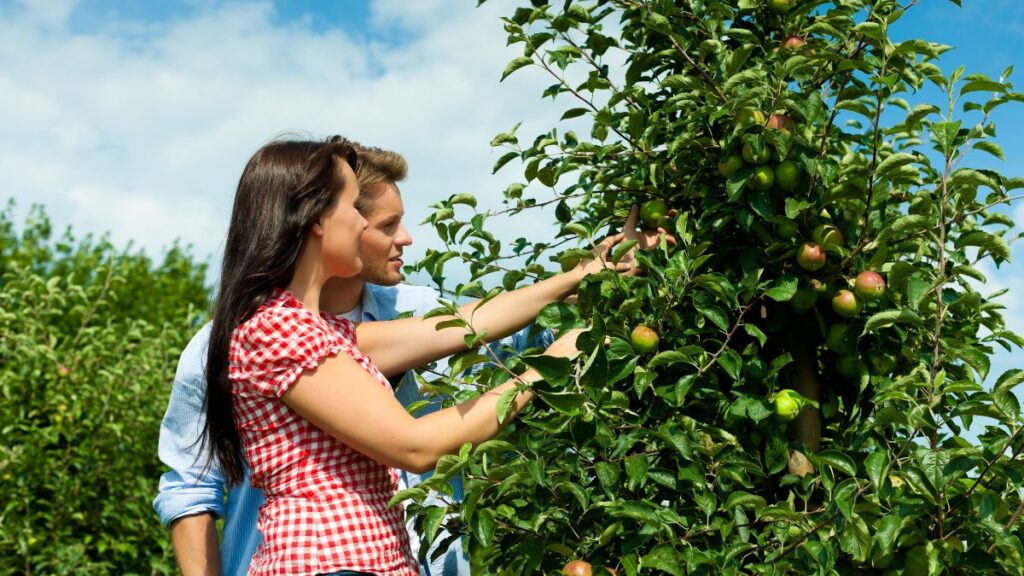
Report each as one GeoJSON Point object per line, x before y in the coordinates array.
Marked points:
{"type": "Point", "coordinates": [673, 461]}
{"type": "Point", "coordinates": [89, 339]}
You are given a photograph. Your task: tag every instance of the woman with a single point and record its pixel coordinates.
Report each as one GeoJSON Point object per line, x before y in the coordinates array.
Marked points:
{"type": "Point", "coordinates": [320, 427]}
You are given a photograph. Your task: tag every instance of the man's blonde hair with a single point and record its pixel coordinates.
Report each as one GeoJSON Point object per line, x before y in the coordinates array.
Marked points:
{"type": "Point", "coordinates": [377, 166]}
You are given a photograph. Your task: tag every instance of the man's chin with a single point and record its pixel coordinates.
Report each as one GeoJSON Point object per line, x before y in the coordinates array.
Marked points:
{"type": "Point", "coordinates": [381, 278]}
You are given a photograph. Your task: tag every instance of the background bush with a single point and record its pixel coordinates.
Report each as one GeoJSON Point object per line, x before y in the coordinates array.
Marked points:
{"type": "Point", "coordinates": [89, 340]}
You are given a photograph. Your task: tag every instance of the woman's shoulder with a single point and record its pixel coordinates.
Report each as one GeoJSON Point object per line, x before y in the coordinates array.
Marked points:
{"type": "Point", "coordinates": [282, 318]}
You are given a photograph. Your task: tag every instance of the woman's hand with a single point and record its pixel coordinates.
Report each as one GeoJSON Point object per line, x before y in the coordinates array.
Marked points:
{"type": "Point", "coordinates": [645, 240]}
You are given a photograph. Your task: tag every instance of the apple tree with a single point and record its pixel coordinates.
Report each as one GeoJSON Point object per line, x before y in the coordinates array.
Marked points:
{"type": "Point", "coordinates": [816, 396]}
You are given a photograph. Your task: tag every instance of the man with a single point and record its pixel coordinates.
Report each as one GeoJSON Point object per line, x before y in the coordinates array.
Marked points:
{"type": "Point", "coordinates": [189, 500]}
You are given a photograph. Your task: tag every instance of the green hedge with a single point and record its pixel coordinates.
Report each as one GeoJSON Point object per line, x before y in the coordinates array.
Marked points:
{"type": "Point", "coordinates": [89, 340]}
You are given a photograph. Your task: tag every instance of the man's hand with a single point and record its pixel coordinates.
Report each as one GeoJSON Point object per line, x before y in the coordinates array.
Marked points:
{"type": "Point", "coordinates": [195, 545]}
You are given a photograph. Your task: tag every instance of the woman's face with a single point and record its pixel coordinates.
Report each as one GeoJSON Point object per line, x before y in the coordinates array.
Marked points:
{"type": "Point", "coordinates": [340, 229]}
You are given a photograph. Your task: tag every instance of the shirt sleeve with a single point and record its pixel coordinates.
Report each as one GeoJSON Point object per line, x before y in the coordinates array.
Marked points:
{"type": "Point", "coordinates": [280, 344]}
{"type": "Point", "coordinates": [187, 488]}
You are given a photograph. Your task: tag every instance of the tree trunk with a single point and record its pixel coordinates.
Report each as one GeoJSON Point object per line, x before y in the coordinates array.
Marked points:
{"type": "Point", "coordinates": [801, 342]}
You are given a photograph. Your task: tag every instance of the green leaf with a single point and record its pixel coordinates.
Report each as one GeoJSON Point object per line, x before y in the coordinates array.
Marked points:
{"type": "Point", "coordinates": [559, 316]}
{"type": "Point", "coordinates": [483, 526]}
{"type": "Point", "coordinates": [755, 332]}
{"type": "Point", "coordinates": [870, 29]}
{"type": "Point", "coordinates": [784, 289]}
{"type": "Point", "coordinates": [990, 147]}
{"type": "Point", "coordinates": [665, 558]}
{"type": "Point", "coordinates": [837, 460]}
{"type": "Point", "coordinates": [505, 159]}
{"type": "Point", "coordinates": [743, 499]}
{"type": "Point", "coordinates": [713, 313]}
{"type": "Point", "coordinates": [1002, 392]}
{"type": "Point", "coordinates": [506, 402]}
{"type": "Point", "coordinates": [553, 369]}
{"type": "Point", "coordinates": [681, 354]}
{"type": "Point", "coordinates": [432, 517]}
{"type": "Point", "coordinates": [888, 318]}
{"type": "Point", "coordinates": [467, 199]}
{"type": "Point", "coordinates": [608, 476]}
{"type": "Point", "coordinates": [982, 86]}
{"type": "Point", "coordinates": [622, 249]}
{"type": "Point", "coordinates": [894, 161]}
{"type": "Point", "coordinates": [731, 362]}
{"type": "Point", "coordinates": [967, 177]}
{"type": "Point", "coordinates": [993, 244]}
{"type": "Point", "coordinates": [877, 465]}
{"type": "Point", "coordinates": [574, 113]}
{"type": "Point", "coordinates": [516, 64]}
{"type": "Point", "coordinates": [567, 403]}
{"type": "Point", "coordinates": [637, 466]}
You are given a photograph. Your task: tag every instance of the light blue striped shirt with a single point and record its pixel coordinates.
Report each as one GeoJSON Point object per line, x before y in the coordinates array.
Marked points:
{"type": "Point", "coordinates": [185, 490]}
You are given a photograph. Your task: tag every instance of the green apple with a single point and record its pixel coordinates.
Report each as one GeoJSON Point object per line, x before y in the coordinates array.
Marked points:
{"type": "Point", "coordinates": [786, 228]}
{"type": "Point", "coordinates": [779, 6]}
{"type": "Point", "coordinates": [787, 175]}
{"type": "Point", "coordinates": [787, 405]}
{"type": "Point", "coordinates": [848, 365]}
{"type": "Point", "coordinates": [748, 116]}
{"type": "Point", "coordinates": [654, 213]}
{"type": "Point", "coordinates": [730, 165]}
{"type": "Point", "coordinates": [644, 339]}
{"type": "Point", "coordinates": [827, 236]}
{"type": "Point", "coordinates": [880, 362]}
{"type": "Point", "coordinates": [835, 340]}
{"type": "Point", "coordinates": [752, 157]}
{"type": "Point", "coordinates": [804, 299]}
{"type": "Point", "coordinates": [915, 562]}
{"type": "Point", "coordinates": [761, 178]}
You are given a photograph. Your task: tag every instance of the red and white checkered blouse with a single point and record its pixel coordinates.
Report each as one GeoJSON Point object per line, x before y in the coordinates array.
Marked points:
{"type": "Point", "coordinates": [327, 504]}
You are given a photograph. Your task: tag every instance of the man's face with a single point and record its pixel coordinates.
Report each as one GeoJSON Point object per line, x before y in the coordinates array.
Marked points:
{"type": "Point", "coordinates": [384, 239]}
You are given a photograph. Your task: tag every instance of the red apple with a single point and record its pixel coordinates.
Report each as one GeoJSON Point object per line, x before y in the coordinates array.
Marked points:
{"type": "Point", "coordinates": [577, 568]}
{"type": "Point", "coordinates": [810, 256]}
{"type": "Point", "coordinates": [781, 122]}
{"type": "Point", "coordinates": [793, 43]}
{"type": "Point", "coordinates": [644, 339]}
{"type": "Point", "coordinates": [869, 286]}
{"type": "Point", "coordinates": [846, 304]}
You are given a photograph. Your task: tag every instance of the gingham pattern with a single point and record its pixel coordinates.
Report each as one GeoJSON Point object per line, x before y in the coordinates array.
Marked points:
{"type": "Point", "coordinates": [327, 504]}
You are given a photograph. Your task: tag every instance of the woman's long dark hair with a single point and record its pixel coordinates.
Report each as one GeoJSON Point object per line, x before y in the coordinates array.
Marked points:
{"type": "Point", "coordinates": [286, 187]}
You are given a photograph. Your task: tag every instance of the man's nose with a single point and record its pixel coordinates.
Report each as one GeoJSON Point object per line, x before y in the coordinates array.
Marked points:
{"type": "Point", "coordinates": [403, 238]}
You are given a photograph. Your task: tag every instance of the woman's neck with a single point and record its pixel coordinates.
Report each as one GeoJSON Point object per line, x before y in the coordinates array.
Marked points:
{"type": "Point", "coordinates": [307, 281]}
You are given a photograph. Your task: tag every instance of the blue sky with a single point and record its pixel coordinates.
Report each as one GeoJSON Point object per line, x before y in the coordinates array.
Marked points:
{"type": "Point", "coordinates": [134, 118]}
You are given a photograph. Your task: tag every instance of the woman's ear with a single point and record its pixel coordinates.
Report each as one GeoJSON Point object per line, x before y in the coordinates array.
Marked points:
{"type": "Point", "coordinates": [318, 228]}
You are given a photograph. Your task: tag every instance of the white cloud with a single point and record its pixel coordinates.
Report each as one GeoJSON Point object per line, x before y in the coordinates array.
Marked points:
{"type": "Point", "coordinates": [153, 122]}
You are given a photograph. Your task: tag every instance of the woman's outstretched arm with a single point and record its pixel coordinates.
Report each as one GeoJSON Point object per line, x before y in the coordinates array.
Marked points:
{"type": "Point", "coordinates": [342, 399]}
{"type": "Point", "coordinates": [400, 345]}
